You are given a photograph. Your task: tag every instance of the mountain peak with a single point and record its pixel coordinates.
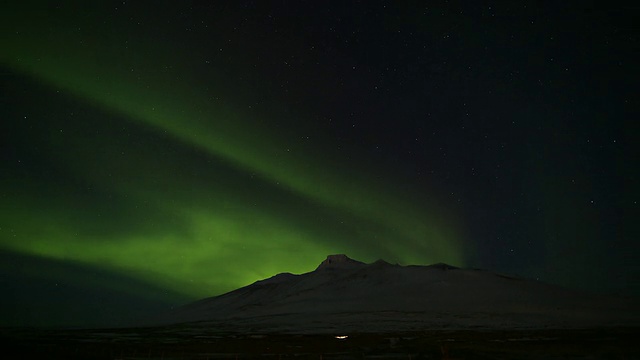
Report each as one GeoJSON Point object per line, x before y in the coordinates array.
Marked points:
{"type": "Point", "coordinates": [443, 266]}
{"type": "Point", "coordinates": [338, 261]}
{"type": "Point", "coordinates": [348, 294]}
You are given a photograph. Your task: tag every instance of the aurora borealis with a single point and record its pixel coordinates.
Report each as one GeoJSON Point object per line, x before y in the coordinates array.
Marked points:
{"type": "Point", "coordinates": [165, 153]}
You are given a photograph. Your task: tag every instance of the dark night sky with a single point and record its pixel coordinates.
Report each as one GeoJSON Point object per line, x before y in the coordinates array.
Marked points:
{"type": "Point", "coordinates": [155, 153]}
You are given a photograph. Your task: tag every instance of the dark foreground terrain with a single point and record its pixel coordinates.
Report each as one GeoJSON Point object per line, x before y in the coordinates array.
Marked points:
{"type": "Point", "coordinates": [178, 342]}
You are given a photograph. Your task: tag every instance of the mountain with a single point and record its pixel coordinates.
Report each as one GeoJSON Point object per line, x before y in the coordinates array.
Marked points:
{"type": "Point", "coordinates": [343, 295]}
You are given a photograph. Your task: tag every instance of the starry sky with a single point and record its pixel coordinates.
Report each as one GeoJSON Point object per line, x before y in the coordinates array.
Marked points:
{"type": "Point", "coordinates": [155, 153]}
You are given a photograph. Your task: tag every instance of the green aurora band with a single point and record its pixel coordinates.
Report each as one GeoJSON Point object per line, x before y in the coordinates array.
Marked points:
{"type": "Point", "coordinates": [248, 203]}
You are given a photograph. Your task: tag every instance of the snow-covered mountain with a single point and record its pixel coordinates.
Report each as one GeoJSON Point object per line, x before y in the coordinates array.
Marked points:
{"type": "Point", "coordinates": [347, 295]}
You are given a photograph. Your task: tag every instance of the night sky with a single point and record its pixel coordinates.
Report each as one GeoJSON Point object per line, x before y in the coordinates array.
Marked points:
{"type": "Point", "coordinates": [155, 153]}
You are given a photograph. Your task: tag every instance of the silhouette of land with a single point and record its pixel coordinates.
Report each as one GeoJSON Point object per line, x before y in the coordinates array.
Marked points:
{"type": "Point", "coordinates": [346, 309]}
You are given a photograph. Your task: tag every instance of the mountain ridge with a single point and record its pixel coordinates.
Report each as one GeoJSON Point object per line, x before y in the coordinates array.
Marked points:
{"type": "Point", "coordinates": [346, 293]}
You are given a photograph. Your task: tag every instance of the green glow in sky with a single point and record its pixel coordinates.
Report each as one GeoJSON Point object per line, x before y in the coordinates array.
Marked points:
{"type": "Point", "coordinates": [196, 195]}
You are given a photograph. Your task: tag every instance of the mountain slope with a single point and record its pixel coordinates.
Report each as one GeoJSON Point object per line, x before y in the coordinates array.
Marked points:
{"type": "Point", "coordinates": [344, 294]}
